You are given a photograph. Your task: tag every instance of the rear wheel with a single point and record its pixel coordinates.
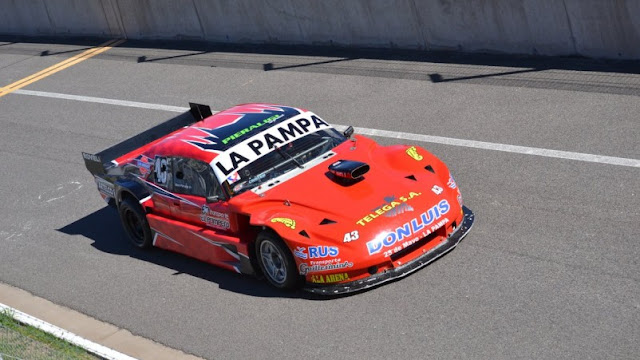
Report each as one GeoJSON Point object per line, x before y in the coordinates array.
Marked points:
{"type": "Point", "coordinates": [135, 223]}
{"type": "Point", "coordinates": [276, 261]}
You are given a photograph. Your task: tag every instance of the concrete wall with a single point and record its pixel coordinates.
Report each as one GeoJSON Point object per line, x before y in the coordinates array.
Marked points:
{"type": "Point", "coordinates": [594, 28]}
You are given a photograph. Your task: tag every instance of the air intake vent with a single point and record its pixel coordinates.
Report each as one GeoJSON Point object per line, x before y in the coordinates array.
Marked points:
{"type": "Point", "coordinates": [304, 233]}
{"type": "Point", "coordinates": [348, 169]}
{"type": "Point", "coordinates": [326, 221]}
{"type": "Point", "coordinates": [429, 168]}
{"type": "Point", "coordinates": [411, 177]}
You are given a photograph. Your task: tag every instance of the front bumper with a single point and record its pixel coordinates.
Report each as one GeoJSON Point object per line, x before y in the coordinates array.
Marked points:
{"type": "Point", "coordinates": [400, 271]}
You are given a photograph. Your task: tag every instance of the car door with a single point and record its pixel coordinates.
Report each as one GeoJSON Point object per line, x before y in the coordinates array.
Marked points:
{"type": "Point", "coordinates": [204, 229]}
{"type": "Point", "coordinates": [194, 182]}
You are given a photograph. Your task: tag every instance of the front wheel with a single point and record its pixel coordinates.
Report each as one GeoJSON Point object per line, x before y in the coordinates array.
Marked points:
{"type": "Point", "coordinates": [276, 261]}
{"type": "Point", "coordinates": [134, 222]}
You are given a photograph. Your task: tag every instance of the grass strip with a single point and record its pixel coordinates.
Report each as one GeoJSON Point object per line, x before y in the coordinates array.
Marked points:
{"type": "Point", "coordinates": [62, 348]}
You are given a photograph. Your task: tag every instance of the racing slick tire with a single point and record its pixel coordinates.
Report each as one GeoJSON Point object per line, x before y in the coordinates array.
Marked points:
{"type": "Point", "coordinates": [276, 261]}
{"type": "Point", "coordinates": [135, 223]}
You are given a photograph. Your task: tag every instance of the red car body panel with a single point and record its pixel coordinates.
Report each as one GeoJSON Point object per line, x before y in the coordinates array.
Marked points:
{"type": "Point", "coordinates": [407, 204]}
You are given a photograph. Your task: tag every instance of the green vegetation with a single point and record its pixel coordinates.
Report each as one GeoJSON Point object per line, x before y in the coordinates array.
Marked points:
{"type": "Point", "coordinates": [18, 341]}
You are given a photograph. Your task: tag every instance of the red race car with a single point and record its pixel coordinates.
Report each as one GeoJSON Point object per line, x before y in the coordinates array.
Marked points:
{"type": "Point", "coordinates": [276, 190]}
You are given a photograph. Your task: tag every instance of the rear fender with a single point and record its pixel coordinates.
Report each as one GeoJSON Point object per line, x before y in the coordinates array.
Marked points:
{"type": "Point", "coordinates": [130, 187]}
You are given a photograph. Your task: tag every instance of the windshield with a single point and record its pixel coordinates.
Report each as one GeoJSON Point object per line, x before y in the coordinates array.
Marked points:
{"type": "Point", "coordinates": [284, 159]}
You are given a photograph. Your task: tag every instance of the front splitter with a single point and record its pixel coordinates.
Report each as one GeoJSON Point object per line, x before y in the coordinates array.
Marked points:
{"type": "Point", "coordinates": [401, 271]}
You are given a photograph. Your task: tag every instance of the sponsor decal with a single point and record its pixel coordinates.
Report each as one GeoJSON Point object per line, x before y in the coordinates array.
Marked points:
{"type": "Point", "coordinates": [300, 252]}
{"type": "Point", "coordinates": [186, 187]}
{"type": "Point", "coordinates": [406, 244]}
{"type": "Point", "coordinates": [230, 126]}
{"type": "Point", "coordinates": [325, 261]}
{"type": "Point", "coordinates": [214, 219]}
{"type": "Point", "coordinates": [91, 157]}
{"type": "Point", "coordinates": [105, 187]}
{"type": "Point", "coordinates": [330, 278]}
{"type": "Point", "coordinates": [143, 163]}
{"type": "Point", "coordinates": [436, 189]}
{"type": "Point", "coordinates": [316, 252]}
{"type": "Point", "coordinates": [351, 236]}
{"type": "Point", "coordinates": [322, 251]}
{"type": "Point", "coordinates": [290, 223]}
{"type": "Point", "coordinates": [238, 187]}
{"type": "Point", "coordinates": [390, 208]}
{"type": "Point", "coordinates": [234, 177]}
{"type": "Point", "coordinates": [408, 229]}
{"type": "Point", "coordinates": [249, 150]}
{"type": "Point", "coordinates": [306, 268]}
{"type": "Point", "coordinates": [256, 179]}
{"type": "Point", "coordinates": [250, 128]}
{"type": "Point", "coordinates": [413, 153]}
{"type": "Point", "coordinates": [451, 183]}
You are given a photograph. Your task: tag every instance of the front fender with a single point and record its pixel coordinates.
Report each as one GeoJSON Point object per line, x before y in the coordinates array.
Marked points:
{"type": "Point", "coordinates": [411, 158]}
{"type": "Point", "coordinates": [288, 226]}
{"type": "Point", "coordinates": [297, 232]}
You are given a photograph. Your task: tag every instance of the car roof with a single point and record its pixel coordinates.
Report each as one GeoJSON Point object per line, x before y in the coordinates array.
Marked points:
{"type": "Point", "coordinates": [207, 138]}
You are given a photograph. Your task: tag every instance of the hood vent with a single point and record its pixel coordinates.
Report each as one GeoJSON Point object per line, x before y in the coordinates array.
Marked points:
{"type": "Point", "coordinates": [411, 177]}
{"type": "Point", "coordinates": [347, 172]}
{"type": "Point", "coordinates": [326, 221]}
{"type": "Point", "coordinates": [348, 169]}
{"type": "Point", "coordinates": [429, 168]}
{"type": "Point", "coordinates": [304, 233]}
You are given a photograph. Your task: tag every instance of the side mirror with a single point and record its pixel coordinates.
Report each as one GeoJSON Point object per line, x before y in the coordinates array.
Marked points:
{"type": "Point", "coordinates": [348, 131]}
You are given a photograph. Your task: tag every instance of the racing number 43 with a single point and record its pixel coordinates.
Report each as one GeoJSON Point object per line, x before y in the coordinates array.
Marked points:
{"type": "Point", "coordinates": [351, 236]}
{"type": "Point", "coordinates": [161, 170]}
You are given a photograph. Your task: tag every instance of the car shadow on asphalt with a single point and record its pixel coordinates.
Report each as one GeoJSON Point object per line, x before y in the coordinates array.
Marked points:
{"type": "Point", "coordinates": [104, 228]}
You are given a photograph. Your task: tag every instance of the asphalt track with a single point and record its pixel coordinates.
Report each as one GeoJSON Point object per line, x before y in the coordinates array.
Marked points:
{"type": "Point", "coordinates": [550, 269]}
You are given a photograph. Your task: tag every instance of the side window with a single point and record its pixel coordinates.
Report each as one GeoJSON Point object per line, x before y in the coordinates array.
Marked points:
{"type": "Point", "coordinates": [194, 177]}
{"type": "Point", "coordinates": [162, 172]}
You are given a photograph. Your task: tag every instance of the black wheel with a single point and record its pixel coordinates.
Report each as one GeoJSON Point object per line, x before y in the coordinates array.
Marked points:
{"type": "Point", "coordinates": [135, 223]}
{"type": "Point", "coordinates": [276, 261]}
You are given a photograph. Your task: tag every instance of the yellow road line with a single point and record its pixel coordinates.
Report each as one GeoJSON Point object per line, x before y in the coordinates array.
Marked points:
{"type": "Point", "coordinates": [60, 66]}
{"type": "Point", "coordinates": [62, 63]}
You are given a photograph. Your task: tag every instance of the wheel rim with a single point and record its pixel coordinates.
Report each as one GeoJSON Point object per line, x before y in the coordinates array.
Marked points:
{"type": "Point", "coordinates": [273, 261]}
{"type": "Point", "coordinates": [134, 225]}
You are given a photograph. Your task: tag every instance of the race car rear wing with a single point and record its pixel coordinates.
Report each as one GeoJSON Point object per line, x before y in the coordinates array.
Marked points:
{"type": "Point", "coordinates": [98, 163]}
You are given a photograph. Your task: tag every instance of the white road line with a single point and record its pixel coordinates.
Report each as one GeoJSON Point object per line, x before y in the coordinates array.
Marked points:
{"type": "Point", "coordinates": [74, 339]}
{"type": "Point", "coordinates": [516, 149]}
{"type": "Point", "coordinates": [103, 100]}
{"type": "Point", "coordinates": [611, 160]}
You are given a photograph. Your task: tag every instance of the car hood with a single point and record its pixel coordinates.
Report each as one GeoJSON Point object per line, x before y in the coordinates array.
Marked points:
{"type": "Point", "coordinates": [327, 211]}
